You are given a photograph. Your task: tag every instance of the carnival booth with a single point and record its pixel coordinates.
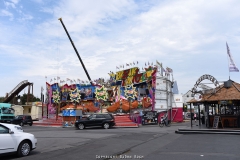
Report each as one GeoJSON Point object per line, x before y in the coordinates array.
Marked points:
{"type": "Point", "coordinates": [221, 104]}
{"type": "Point", "coordinates": [70, 113]}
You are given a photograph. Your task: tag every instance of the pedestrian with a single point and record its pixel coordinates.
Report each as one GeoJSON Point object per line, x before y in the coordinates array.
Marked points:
{"type": "Point", "coordinates": [195, 117]}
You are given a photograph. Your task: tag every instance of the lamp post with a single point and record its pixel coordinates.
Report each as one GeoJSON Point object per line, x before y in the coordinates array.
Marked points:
{"type": "Point", "coordinates": [42, 99]}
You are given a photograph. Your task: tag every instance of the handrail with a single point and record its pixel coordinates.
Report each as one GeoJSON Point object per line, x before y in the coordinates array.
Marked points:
{"type": "Point", "coordinates": [12, 91]}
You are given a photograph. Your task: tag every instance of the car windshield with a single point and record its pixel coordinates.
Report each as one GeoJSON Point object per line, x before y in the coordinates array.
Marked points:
{"type": "Point", "coordinates": [7, 111]}
{"type": "Point", "coordinates": [18, 117]}
{"type": "Point", "coordinates": [90, 116]}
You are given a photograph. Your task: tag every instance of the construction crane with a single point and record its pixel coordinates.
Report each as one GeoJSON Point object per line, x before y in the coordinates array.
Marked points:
{"type": "Point", "coordinates": [76, 51]}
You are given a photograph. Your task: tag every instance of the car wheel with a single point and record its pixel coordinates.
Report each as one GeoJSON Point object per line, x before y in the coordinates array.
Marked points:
{"type": "Point", "coordinates": [106, 126]}
{"type": "Point", "coordinates": [24, 149]}
{"type": "Point", "coordinates": [81, 126]}
{"type": "Point", "coordinates": [21, 124]}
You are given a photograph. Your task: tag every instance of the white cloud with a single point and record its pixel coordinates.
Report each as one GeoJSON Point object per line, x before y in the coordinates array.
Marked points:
{"type": "Point", "coordinates": [25, 17]}
{"type": "Point", "coordinates": [7, 14]}
{"type": "Point", "coordinates": [11, 3]}
{"type": "Point", "coordinates": [8, 4]}
{"type": "Point", "coordinates": [15, 1]}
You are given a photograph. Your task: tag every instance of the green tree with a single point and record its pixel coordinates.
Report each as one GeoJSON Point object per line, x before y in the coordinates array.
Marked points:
{"type": "Point", "coordinates": [2, 99]}
{"type": "Point", "coordinates": [31, 98]}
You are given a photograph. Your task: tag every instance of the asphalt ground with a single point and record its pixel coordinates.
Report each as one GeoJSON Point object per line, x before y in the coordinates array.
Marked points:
{"type": "Point", "coordinates": [148, 142]}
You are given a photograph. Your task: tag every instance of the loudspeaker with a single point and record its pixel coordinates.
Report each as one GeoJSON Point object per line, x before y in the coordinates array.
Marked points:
{"type": "Point", "coordinates": [147, 92]}
{"type": "Point", "coordinates": [82, 95]}
{"type": "Point", "coordinates": [68, 96]}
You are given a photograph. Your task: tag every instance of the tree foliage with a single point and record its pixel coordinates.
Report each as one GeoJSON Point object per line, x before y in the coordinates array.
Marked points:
{"type": "Point", "coordinates": [2, 99]}
{"type": "Point", "coordinates": [31, 98]}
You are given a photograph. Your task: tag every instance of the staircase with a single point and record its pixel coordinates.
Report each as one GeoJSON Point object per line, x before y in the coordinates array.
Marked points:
{"type": "Point", "coordinates": [16, 91]}
{"type": "Point", "coordinates": [124, 121]}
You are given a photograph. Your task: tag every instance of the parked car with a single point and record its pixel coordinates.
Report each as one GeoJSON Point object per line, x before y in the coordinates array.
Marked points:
{"type": "Point", "coordinates": [22, 120]}
{"type": "Point", "coordinates": [14, 140]}
{"type": "Point", "coordinates": [105, 120]}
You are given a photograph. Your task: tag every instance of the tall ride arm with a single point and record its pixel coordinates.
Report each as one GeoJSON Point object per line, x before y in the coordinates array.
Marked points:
{"type": "Point", "coordinates": [76, 51]}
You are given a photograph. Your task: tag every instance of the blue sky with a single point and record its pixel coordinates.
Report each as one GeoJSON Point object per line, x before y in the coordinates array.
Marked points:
{"type": "Point", "coordinates": [188, 36]}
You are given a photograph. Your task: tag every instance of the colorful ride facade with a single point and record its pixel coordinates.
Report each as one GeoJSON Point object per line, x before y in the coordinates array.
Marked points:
{"type": "Point", "coordinates": [127, 91]}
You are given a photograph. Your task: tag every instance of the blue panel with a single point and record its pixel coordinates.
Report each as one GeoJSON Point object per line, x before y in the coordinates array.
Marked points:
{"type": "Point", "coordinates": [72, 112]}
{"type": "Point", "coordinates": [66, 113]}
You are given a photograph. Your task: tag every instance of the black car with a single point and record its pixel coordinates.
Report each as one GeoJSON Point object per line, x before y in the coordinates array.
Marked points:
{"type": "Point", "coordinates": [105, 120]}
{"type": "Point", "coordinates": [22, 120]}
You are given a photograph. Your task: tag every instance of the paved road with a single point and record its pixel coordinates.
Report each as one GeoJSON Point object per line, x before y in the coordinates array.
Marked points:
{"type": "Point", "coordinates": [146, 142]}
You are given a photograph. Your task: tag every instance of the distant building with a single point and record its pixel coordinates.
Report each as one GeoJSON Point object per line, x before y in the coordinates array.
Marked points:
{"type": "Point", "coordinates": [175, 88]}
{"type": "Point", "coordinates": [187, 96]}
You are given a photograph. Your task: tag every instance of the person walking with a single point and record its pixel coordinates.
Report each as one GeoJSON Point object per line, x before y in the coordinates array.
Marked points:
{"type": "Point", "coordinates": [195, 117]}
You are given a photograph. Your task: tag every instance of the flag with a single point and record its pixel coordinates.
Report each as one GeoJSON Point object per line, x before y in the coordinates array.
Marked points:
{"type": "Point", "coordinates": [133, 63]}
{"type": "Point", "coordinates": [54, 79]}
{"type": "Point", "coordinates": [42, 89]}
{"type": "Point", "coordinates": [68, 79]}
{"type": "Point", "coordinates": [51, 80]}
{"type": "Point", "coordinates": [137, 62]}
{"type": "Point", "coordinates": [232, 66]}
{"type": "Point", "coordinates": [145, 64]}
{"type": "Point", "coordinates": [46, 77]}
{"type": "Point", "coordinates": [127, 64]}
{"type": "Point", "coordinates": [130, 64]}
{"type": "Point", "coordinates": [169, 70]}
{"type": "Point", "coordinates": [148, 63]}
{"type": "Point", "coordinates": [58, 78]}
{"type": "Point", "coordinates": [117, 67]}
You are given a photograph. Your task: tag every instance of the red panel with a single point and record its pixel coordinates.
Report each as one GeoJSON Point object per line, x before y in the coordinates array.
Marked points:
{"type": "Point", "coordinates": [177, 114]}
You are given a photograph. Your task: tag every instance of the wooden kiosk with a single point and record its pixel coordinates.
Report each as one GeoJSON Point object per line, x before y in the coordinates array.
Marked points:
{"type": "Point", "coordinates": [221, 104]}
